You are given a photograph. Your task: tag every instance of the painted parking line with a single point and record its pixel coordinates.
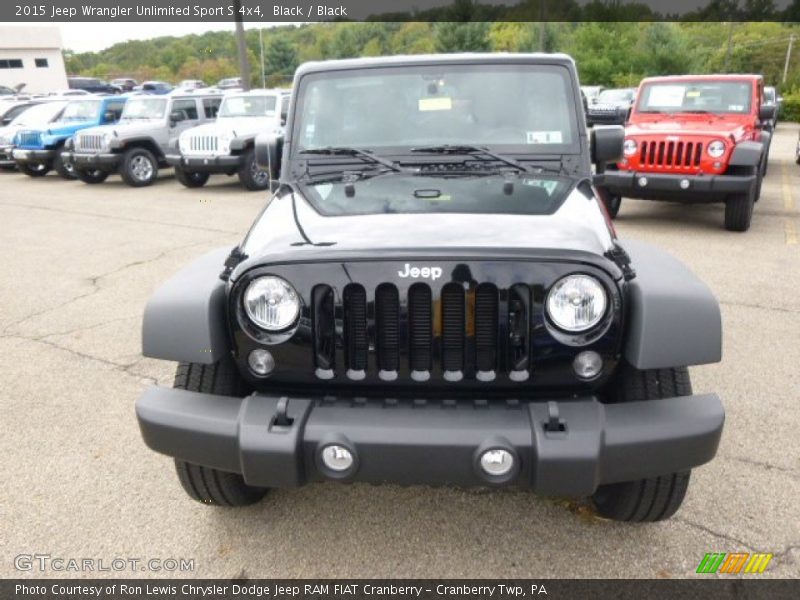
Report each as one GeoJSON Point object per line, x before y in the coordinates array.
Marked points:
{"type": "Point", "coordinates": [790, 227]}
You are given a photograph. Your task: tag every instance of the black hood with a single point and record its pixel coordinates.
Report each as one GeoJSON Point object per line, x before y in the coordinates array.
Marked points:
{"type": "Point", "coordinates": [291, 229]}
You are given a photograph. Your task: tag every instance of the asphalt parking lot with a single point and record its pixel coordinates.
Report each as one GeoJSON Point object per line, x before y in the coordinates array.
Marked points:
{"type": "Point", "coordinates": [80, 262]}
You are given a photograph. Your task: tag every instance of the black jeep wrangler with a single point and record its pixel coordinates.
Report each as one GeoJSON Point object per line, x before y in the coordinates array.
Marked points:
{"type": "Point", "coordinates": [434, 294]}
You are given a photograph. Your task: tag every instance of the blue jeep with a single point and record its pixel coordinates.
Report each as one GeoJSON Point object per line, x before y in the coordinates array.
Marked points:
{"type": "Point", "coordinates": [37, 151]}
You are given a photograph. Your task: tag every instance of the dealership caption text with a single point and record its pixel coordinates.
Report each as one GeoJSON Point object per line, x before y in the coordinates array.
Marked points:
{"type": "Point", "coordinates": [111, 12]}
{"type": "Point", "coordinates": [250, 590]}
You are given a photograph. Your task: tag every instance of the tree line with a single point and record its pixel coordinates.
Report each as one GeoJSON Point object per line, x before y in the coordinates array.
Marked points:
{"type": "Point", "coordinates": [608, 53]}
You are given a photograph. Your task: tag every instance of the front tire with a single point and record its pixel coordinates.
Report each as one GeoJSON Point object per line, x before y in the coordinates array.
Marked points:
{"type": "Point", "coordinates": [205, 484]}
{"type": "Point", "coordinates": [612, 204]}
{"type": "Point", "coordinates": [253, 177]}
{"type": "Point", "coordinates": [91, 177]}
{"type": "Point", "coordinates": [64, 168]}
{"type": "Point", "coordinates": [653, 498]}
{"type": "Point", "coordinates": [34, 169]}
{"type": "Point", "coordinates": [139, 167]}
{"type": "Point", "coordinates": [739, 208]}
{"type": "Point", "coordinates": [189, 179]}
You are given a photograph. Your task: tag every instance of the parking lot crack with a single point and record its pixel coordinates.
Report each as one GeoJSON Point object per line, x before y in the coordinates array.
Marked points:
{"type": "Point", "coordinates": [760, 307]}
{"type": "Point", "coordinates": [719, 534]}
{"type": "Point", "coordinates": [95, 280]}
{"type": "Point", "coordinates": [758, 463]}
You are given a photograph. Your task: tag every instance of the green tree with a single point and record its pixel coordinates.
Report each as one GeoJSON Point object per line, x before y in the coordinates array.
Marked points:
{"type": "Point", "coordinates": [462, 37]}
{"type": "Point", "coordinates": [280, 58]}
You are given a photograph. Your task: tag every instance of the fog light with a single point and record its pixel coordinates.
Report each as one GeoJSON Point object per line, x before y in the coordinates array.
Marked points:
{"type": "Point", "coordinates": [497, 462]}
{"type": "Point", "coordinates": [261, 362]}
{"type": "Point", "coordinates": [337, 458]}
{"type": "Point", "coordinates": [587, 365]}
{"type": "Point", "coordinates": [684, 184]}
{"type": "Point", "coordinates": [642, 181]}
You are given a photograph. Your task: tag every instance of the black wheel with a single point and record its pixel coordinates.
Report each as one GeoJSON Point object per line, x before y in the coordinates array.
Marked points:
{"type": "Point", "coordinates": [612, 204]}
{"type": "Point", "coordinates": [92, 176]}
{"type": "Point", "coordinates": [204, 484]}
{"type": "Point", "coordinates": [34, 169]}
{"type": "Point", "coordinates": [253, 177]}
{"type": "Point", "coordinates": [194, 179]}
{"type": "Point", "coordinates": [63, 167]}
{"type": "Point", "coordinates": [739, 208]}
{"type": "Point", "coordinates": [654, 498]}
{"type": "Point", "coordinates": [139, 167]}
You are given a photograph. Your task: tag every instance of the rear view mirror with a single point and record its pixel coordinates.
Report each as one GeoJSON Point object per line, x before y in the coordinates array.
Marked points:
{"type": "Point", "coordinates": [268, 149]}
{"type": "Point", "coordinates": [606, 143]}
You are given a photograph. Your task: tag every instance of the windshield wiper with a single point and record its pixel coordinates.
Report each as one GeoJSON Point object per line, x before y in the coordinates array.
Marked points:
{"type": "Point", "coordinates": [472, 150]}
{"type": "Point", "coordinates": [348, 151]}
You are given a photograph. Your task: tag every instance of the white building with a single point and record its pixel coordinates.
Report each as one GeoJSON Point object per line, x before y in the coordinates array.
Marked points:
{"type": "Point", "coordinates": [32, 55]}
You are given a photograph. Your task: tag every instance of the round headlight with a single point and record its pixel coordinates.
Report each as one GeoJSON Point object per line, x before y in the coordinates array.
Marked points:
{"type": "Point", "coordinates": [716, 148]}
{"type": "Point", "coordinates": [271, 303]}
{"type": "Point", "coordinates": [576, 303]}
{"type": "Point", "coordinates": [629, 147]}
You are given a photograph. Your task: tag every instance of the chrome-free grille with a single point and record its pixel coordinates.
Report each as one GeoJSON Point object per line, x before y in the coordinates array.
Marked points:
{"type": "Point", "coordinates": [203, 144]}
{"type": "Point", "coordinates": [675, 154]}
{"type": "Point", "coordinates": [89, 141]}
{"type": "Point", "coordinates": [459, 334]}
{"type": "Point", "coordinates": [29, 138]}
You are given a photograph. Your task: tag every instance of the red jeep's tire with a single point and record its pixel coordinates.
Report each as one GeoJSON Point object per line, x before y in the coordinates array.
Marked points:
{"type": "Point", "coordinates": [739, 208]}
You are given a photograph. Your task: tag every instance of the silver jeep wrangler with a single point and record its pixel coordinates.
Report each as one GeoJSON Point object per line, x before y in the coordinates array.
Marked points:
{"type": "Point", "coordinates": [226, 146]}
{"type": "Point", "coordinates": [136, 146]}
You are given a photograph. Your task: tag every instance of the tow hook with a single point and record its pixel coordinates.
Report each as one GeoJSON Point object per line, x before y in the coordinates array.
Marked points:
{"type": "Point", "coordinates": [554, 423]}
{"type": "Point", "coordinates": [281, 420]}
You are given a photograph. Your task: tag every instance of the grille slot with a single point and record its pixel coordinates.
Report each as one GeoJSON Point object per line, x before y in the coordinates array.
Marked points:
{"type": "Point", "coordinates": [420, 329]}
{"type": "Point", "coordinates": [324, 328]}
{"type": "Point", "coordinates": [387, 327]}
{"type": "Point", "coordinates": [486, 310]}
{"type": "Point", "coordinates": [89, 141]}
{"type": "Point", "coordinates": [203, 144]}
{"type": "Point", "coordinates": [519, 303]}
{"type": "Point", "coordinates": [355, 328]}
{"type": "Point", "coordinates": [453, 321]}
{"type": "Point", "coordinates": [670, 154]}
{"type": "Point", "coordinates": [29, 138]}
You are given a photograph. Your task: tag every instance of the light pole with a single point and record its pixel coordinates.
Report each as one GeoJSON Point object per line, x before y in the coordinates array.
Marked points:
{"type": "Point", "coordinates": [244, 65]}
{"type": "Point", "coordinates": [788, 56]}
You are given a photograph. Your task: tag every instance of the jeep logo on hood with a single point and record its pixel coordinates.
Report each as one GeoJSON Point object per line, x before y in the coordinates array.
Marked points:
{"type": "Point", "coordinates": [432, 273]}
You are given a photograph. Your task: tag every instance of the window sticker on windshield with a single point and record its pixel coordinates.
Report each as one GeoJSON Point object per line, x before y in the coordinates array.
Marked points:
{"type": "Point", "coordinates": [549, 185]}
{"type": "Point", "coordinates": [736, 107]}
{"type": "Point", "coordinates": [693, 94]}
{"type": "Point", "coordinates": [666, 95]}
{"type": "Point", "coordinates": [444, 103]}
{"type": "Point", "coordinates": [545, 137]}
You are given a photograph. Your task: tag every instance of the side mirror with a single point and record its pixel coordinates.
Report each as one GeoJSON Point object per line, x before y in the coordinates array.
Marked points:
{"type": "Point", "coordinates": [766, 112]}
{"type": "Point", "coordinates": [606, 143]}
{"type": "Point", "coordinates": [176, 116]}
{"type": "Point", "coordinates": [268, 150]}
{"type": "Point", "coordinates": [109, 116]}
{"type": "Point", "coordinates": [622, 113]}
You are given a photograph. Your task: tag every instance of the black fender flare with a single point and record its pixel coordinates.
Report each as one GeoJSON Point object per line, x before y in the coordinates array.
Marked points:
{"type": "Point", "coordinates": [122, 145]}
{"type": "Point", "coordinates": [185, 320]}
{"type": "Point", "coordinates": [747, 154]}
{"type": "Point", "coordinates": [673, 318]}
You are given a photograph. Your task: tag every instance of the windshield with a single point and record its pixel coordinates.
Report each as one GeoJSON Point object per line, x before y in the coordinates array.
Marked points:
{"type": "Point", "coordinates": [615, 96]}
{"type": "Point", "coordinates": [247, 106]}
{"type": "Point", "coordinates": [523, 106]}
{"type": "Point", "coordinates": [534, 195]}
{"type": "Point", "coordinates": [81, 110]}
{"type": "Point", "coordinates": [39, 114]}
{"type": "Point", "coordinates": [697, 96]}
{"type": "Point", "coordinates": [144, 108]}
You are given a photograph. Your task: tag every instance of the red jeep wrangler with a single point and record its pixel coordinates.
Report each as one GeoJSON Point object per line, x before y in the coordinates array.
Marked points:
{"type": "Point", "coordinates": [694, 138]}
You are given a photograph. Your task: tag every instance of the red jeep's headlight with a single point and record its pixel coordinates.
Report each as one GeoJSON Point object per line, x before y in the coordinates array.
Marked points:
{"type": "Point", "coordinates": [629, 147]}
{"type": "Point", "coordinates": [716, 148]}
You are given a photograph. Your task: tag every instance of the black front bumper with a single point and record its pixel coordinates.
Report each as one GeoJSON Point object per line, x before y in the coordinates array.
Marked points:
{"type": "Point", "coordinates": [563, 447]}
{"type": "Point", "coordinates": [101, 161]}
{"type": "Point", "coordinates": [26, 156]}
{"type": "Point", "coordinates": [668, 186]}
{"type": "Point", "coordinates": [205, 164]}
